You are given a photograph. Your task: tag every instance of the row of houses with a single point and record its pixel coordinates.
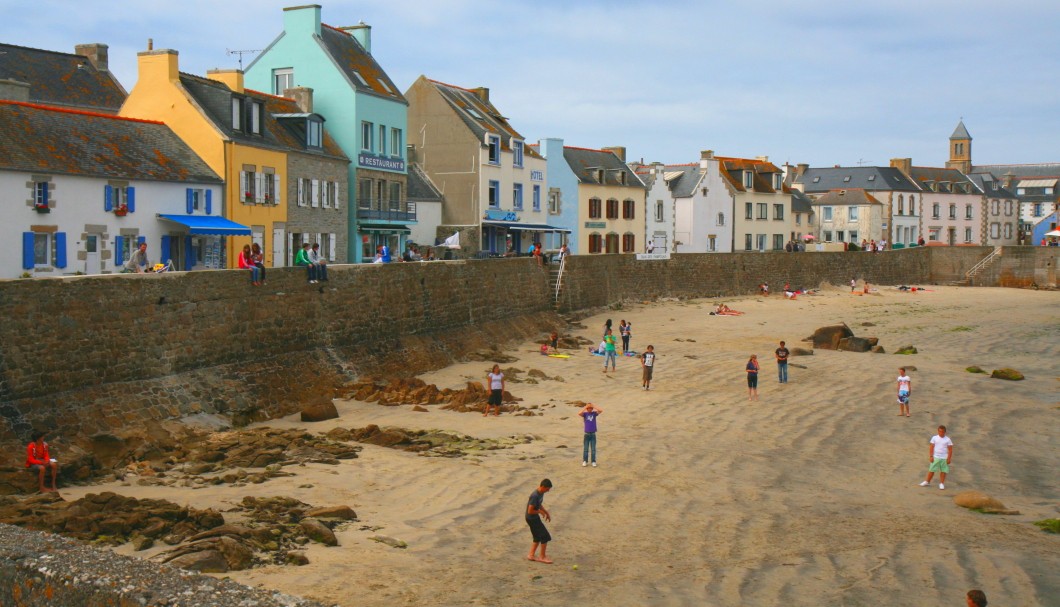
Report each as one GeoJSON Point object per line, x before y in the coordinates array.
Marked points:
{"type": "Point", "coordinates": [314, 142]}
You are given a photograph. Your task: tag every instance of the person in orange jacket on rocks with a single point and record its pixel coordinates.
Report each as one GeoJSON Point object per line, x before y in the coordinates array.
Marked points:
{"type": "Point", "coordinates": [38, 459]}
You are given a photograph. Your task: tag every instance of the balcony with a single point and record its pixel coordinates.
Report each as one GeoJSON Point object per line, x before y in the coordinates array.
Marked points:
{"type": "Point", "coordinates": [386, 210]}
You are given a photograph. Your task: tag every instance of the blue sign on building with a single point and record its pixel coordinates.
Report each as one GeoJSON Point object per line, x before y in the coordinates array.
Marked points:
{"type": "Point", "coordinates": [388, 163]}
{"type": "Point", "coordinates": [498, 215]}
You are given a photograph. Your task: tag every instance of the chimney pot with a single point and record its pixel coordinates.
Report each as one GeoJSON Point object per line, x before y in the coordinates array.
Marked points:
{"type": "Point", "coordinates": [150, 44]}
{"type": "Point", "coordinates": [706, 155]}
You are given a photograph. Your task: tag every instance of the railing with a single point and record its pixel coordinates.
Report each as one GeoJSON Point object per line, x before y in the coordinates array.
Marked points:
{"type": "Point", "coordinates": [390, 210]}
{"type": "Point", "coordinates": [559, 275]}
{"type": "Point", "coordinates": [979, 267]}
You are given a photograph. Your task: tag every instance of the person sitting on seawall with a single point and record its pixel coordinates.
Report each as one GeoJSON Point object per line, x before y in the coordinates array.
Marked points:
{"type": "Point", "coordinates": [302, 259]}
{"type": "Point", "coordinates": [258, 259]}
{"type": "Point", "coordinates": [319, 263]}
{"type": "Point", "coordinates": [764, 288]}
{"type": "Point", "coordinates": [245, 263]}
{"type": "Point", "coordinates": [38, 460]}
{"type": "Point", "coordinates": [138, 260]}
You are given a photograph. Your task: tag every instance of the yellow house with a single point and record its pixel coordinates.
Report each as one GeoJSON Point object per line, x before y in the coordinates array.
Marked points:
{"type": "Point", "coordinates": [228, 127]}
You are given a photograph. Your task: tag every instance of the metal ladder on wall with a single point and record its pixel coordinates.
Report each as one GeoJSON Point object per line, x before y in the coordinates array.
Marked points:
{"type": "Point", "coordinates": [983, 265]}
{"type": "Point", "coordinates": [555, 280]}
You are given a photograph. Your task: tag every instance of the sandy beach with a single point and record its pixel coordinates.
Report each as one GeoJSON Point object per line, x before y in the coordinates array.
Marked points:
{"type": "Point", "coordinates": [808, 496]}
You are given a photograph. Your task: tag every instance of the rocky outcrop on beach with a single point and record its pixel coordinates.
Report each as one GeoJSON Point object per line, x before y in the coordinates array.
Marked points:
{"type": "Point", "coordinates": [431, 443]}
{"type": "Point", "coordinates": [841, 337]}
{"type": "Point", "coordinates": [414, 391]}
{"type": "Point", "coordinates": [981, 502]}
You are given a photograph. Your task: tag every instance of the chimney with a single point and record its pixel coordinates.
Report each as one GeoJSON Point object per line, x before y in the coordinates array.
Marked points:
{"type": "Point", "coordinates": [617, 150]}
{"type": "Point", "coordinates": [762, 158]}
{"type": "Point", "coordinates": [156, 68]}
{"type": "Point", "coordinates": [1009, 179]}
{"type": "Point", "coordinates": [800, 169]}
{"type": "Point", "coordinates": [302, 19]}
{"type": "Point", "coordinates": [482, 93]}
{"type": "Point", "coordinates": [232, 78]}
{"type": "Point", "coordinates": [362, 32]}
{"type": "Point", "coordinates": [303, 96]}
{"type": "Point", "coordinates": [13, 90]}
{"type": "Point", "coordinates": [96, 53]}
{"type": "Point", "coordinates": [905, 165]}
{"type": "Point", "coordinates": [705, 157]}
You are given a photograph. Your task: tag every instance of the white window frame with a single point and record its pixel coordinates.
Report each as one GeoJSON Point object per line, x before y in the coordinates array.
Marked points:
{"type": "Point", "coordinates": [367, 132]}
{"type": "Point", "coordinates": [852, 213]}
{"type": "Point", "coordinates": [396, 143]}
{"type": "Point", "coordinates": [285, 73]}
{"type": "Point", "coordinates": [826, 213]}
{"type": "Point", "coordinates": [517, 153]}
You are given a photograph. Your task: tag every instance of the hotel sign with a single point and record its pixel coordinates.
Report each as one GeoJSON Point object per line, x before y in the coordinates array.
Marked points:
{"type": "Point", "coordinates": [537, 175]}
{"type": "Point", "coordinates": [371, 161]}
{"type": "Point", "coordinates": [595, 225]}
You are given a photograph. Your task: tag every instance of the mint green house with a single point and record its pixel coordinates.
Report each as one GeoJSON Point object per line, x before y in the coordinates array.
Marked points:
{"type": "Point", "coordinates": [332, 68]}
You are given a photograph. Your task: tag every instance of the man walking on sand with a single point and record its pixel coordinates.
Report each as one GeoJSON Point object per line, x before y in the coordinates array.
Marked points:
{"type": "Point", "coordinates": [589, 414]}
{"type": "Point", "coordinates": [940, 454]}
{"type": "Point", "coordinates": [610, 350]}
{"type": "Point", "coordinates": [782, 363]}
{"type": "Point", "coordinates": [534, 509]}
{"type": "Point", "coordinates": [647, 362]}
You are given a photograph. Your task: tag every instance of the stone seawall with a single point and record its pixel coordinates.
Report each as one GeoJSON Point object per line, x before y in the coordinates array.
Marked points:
{"type": "Point", "coordinates": [84, 355]}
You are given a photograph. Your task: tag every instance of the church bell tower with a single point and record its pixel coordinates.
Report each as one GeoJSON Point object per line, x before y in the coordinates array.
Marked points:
{"type": "Point", "coordinates": [960, 150]}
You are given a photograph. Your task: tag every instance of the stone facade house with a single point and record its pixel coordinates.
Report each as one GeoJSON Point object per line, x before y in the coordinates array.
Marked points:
{"type": "Point", "coordinates": [366, 114]}
{"type": "Point", "coordinates": [80, 190]}
{"type": "Point", "coordinates": [848, 216]}
{"type": "Point", "coordinates": [951, 208]}
{"type": "Point", "coordinates": [492, 180]}
{"type": "Point", "coordinates": [900, 195]}
{"type": "Point", "coordinates": [1000, 210]}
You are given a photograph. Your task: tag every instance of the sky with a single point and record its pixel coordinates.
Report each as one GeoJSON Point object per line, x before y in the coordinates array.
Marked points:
{"type": "Point", "coordinates": [822, 82]}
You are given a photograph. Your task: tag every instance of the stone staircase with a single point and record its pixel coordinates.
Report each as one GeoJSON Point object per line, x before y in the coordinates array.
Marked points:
{"type": "Point", "coordinates": [555, 281]}
{"type": "Point", "coordinates": [984, 265]}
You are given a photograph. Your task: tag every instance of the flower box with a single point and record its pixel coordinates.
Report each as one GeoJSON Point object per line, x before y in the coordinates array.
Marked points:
{"type": "Point", "coordinates": [42, 208]}
{"type": "Point", "coordinates": [121, 211]}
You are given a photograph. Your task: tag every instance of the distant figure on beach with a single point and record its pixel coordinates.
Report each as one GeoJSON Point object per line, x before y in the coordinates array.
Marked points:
{"type": "Point", "coordinates": [607, 326]}
{"type": "Point", "coordinates": [853, 284]}
{"type": "Point", "coordinates": [625, 330]}
{"type": "Point", "coordinates": [495, 380]}
{"type": "Point", "coordinates": [589, 414]}
{"type": "Point", "coordinates": [920, 241]}
{"type": "Point", "coordinates": [39, 460]}
{"type": "Point", "coordinates": [904, 387]}
{"type": "Point", "coordinates": [866, 290]}
{"type": "Point", "coordinates": [724, 310]}
{"type": "Point", "coordinates": [976, 598]}
{"type": "Point", "coordinates": [534, 509]}
{"type": "Point", "coordinates": [764, 288]}
{"type": "Point", "coordinates": [553, 341]}
{"type": "Point", "coordinates": [782, 363]}
{"type": "Point", "coordinates": [647, 362]}
{"type": "Point", "coordinates": [610, 350]}
{"type": "Point", "coordinates": [940, 454]}
{"type": "Point", "coordinates": [752, 378]}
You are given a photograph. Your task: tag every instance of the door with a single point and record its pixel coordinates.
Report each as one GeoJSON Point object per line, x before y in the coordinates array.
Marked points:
{"type": "Point", "coordinates": [92, 261]}
{"type": "Point", "coordinates": [278, 240]}
{"type": "Point", "coordinates": [952, 236]}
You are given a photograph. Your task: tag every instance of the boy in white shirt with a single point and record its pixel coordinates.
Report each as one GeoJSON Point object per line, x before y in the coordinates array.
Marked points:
{"type": "Point", "coordinates": [940, 453]}
{"type": "Point", "coordinates": [904, 386]}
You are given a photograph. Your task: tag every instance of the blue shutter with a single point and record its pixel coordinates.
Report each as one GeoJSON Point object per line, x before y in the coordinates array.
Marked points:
{"type": "Point", "coordinates": [27, 250]}
{"type": "Point", "coordinates": [60, 250]}
{"type": "Point", "coordinates": [189, 253]}
{"type": "Point", "coordinates": [108, 198]}
{"type": "Point", "coordinates": [165, 254]}
{"type": "Point", "coordinates": [209, 202]}
{"type": "Point", "coordinates": [190, 200]}
{"type": "Point", "coordinates": [119, 250]}
{"type": "Point", "coordinates": [140, 240]}
{"type": "Point", "coordinates": [130, 199]}
{"type": "Point", "coordinates": [47, 198]}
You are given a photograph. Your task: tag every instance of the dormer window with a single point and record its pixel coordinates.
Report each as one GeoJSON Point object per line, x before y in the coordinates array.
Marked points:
{"type": "Point", "coordinates": [517, 153]}
{"type": "Point", "coordinates": [748, 179]}
{"type": "Point", "coordinates": [254, 115]}
{"type": "Point", "coordinates": [237, 113]}
{"type": "Point", "coordinates": [778, 181]}
{"type": "Point", "coordinates": [622, 177]}
{"type": "Point", "coordinates": [314, 133]}
{"type": "Point", "coordinates": [599, 175]}
{"type": "Point", "coordinates": [494, 143]}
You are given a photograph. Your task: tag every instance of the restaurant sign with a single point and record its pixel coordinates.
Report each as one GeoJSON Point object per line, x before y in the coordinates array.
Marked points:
{"type": "Point", "coordinates": [595, 225]}
{"type": "Point", "coordinates": [371, 161]}
{"type": "Point", "coordinates": [499, 215]}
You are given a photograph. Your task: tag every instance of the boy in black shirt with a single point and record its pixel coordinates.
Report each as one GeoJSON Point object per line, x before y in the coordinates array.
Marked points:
{"type": "Point", "coordinates": [534, 509]}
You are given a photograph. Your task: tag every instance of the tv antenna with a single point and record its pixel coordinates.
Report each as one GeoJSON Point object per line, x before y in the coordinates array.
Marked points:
{"type": "Point", "coordinates": [230, 52]}
{"type": "Point", "coordinates": [862, 162]}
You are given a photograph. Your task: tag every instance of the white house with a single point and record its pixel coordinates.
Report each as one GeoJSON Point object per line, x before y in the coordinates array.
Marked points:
{"type": "Point", "coordinates": [79, 191]}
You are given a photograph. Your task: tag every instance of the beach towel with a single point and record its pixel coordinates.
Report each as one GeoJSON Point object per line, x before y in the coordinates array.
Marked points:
{"type": "Point", "coordinates": [559, 355]}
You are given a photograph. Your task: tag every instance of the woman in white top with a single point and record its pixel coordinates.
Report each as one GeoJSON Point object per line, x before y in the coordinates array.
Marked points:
{"type": "Point", "coordinates": [495, 380]}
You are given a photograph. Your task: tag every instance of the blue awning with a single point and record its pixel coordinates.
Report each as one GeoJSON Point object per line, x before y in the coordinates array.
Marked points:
{"type": "Point", "coordinates": [208, 224]}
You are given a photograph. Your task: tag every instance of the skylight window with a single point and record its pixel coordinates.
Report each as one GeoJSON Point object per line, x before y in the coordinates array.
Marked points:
{"type": "Point", "coordinates": [385, 87]}
{"type": "Point", "coordinates": [360, 78]}
{"type": "Point", "coordinates": [474, 113]}
{"type": "Point", "coordinates": [846, 179]}
{"type": "Point", "coordinates": [872, 178]}
{"type": "Point", "coordinates": [816, 179]}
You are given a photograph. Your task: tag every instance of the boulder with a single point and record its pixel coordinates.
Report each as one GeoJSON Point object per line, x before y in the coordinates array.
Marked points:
{"type": "Point", "coordinates": [1009, 374]}
{"type": "Point", "coordinates": [389, 541]}
{"type": "Point", "coordinates": [318, 532]}
{"type": "Point", "coordinates": [975, 500]}
{"type": "Point", "coordinates": [344, 513]}
{"type": "Point", "coordinates": [319, 412]}
{"type": "Point", "coordinates": [854, 344]}
{"type": "Point", "coordinates": [878, 350]}
{"type": "Point", "coordinates": [142, 543]}
{"type": "Point", "coordinates": [975, 369]}
{"type": "Point", "coordinates": [828, 337]}
{"type": "Point", "coordinates": [297, 558]}
{"type": "Point", "coordinates": [206, 561]}
{"type": "Point", "coordinates": [906, 350]}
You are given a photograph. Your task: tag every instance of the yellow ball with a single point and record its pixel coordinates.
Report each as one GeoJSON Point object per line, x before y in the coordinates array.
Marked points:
{"type": "Point", "coordinates": [574, 567]}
